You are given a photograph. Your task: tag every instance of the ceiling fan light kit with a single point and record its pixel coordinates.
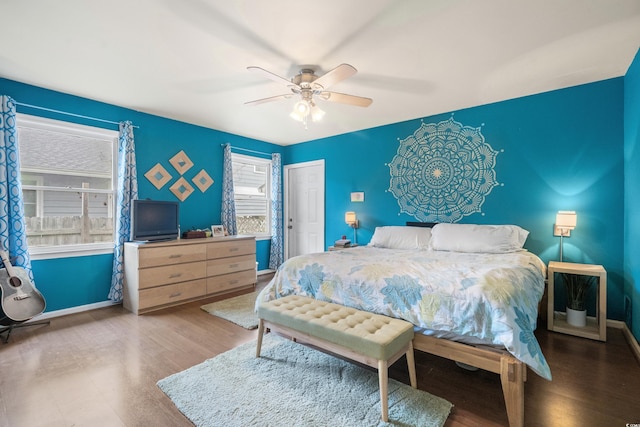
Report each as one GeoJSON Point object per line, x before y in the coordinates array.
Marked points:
{"type": "Point", "coordinates": [306, 84]}
{"type": "Point", "coordinates": [304, 109]}
{"type": "Point", "coordinates": [316, 113]}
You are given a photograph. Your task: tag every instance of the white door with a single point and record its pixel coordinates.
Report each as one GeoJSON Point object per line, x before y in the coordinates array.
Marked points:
{"type": "Point", "coordinates": [304, 208]}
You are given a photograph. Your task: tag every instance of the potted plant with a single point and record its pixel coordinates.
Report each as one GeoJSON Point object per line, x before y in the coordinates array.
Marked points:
{"type": "Point", "coordinates": [578, 286]}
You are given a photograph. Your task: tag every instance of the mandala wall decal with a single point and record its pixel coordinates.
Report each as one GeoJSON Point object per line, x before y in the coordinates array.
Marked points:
{"type": "Point", "coordinates": [443, 172]}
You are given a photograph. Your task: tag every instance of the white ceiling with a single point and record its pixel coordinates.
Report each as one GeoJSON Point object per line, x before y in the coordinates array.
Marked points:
{"type": "Point", "coordinates": [187, 59]}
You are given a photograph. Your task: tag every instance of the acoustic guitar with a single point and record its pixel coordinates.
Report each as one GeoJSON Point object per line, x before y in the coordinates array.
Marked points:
{"type": "Point", "coordinates": [20, 300]}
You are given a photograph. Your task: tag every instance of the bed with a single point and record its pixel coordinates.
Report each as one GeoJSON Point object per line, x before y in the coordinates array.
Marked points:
{"type": "Point", "coordinates": [471, 292]}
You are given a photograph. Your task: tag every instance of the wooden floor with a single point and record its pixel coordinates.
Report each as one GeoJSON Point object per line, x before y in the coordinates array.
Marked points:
{"type": "Point", "coordinates": [100, 368]}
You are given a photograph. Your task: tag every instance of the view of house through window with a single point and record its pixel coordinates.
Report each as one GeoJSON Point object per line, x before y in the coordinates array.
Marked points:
{"type": "Point", "coordinates": [67, 173]}
{"type": "Point", "coordinates": [251, 186]}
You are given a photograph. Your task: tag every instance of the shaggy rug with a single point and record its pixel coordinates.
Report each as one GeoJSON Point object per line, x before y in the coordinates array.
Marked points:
{"type": "Point", "coordinates": [293, 385]}
{"type": "Point", "coordinates": [239, 310]}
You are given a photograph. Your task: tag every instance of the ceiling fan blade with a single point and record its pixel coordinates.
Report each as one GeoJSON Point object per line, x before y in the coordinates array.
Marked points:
{"type": "Point", "coordinates": [343, 98]}
{"type": "Point", "coordinates": [334, 76]}
{"type": "Point", "coordinates": [271, 76]}
{"type": "Point", "coordinates": [270, 99]}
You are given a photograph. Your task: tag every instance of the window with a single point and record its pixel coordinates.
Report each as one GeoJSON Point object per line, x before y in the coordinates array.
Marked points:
{"type": "Point", "coordinates": [252, 190]}
{"type": "Point", "coordinates": [68, 183]}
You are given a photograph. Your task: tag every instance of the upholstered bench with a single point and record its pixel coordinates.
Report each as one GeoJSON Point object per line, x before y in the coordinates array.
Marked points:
{"type": "Point", "coordinates": [372, 339]}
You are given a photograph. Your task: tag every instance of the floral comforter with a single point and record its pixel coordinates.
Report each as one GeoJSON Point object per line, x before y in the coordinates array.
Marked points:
{"type": "Point", "coordinates": [489, 298]}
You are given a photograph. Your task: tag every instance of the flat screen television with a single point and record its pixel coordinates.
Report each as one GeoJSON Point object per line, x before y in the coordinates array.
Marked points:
{"type": "Point", "coordinates": [155, 220]}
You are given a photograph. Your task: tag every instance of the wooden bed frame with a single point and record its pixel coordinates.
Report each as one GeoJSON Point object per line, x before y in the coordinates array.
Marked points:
{"type": "Point", "coordinates": [513, 372]}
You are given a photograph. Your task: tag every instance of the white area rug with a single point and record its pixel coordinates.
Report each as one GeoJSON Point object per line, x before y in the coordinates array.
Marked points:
{"type": "Point", "coordinates": [239, 310]}
{"type": "Point", "coordinates": [293, 385]}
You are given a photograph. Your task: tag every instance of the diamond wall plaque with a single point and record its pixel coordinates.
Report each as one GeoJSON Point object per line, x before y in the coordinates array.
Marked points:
{"type": "Point", "coordinates": [202, 180]}
{"type": "Point", "coordinates": [158, 176]}
{"type": "Point", "coordinates": [181, 162]}
{"type": "Point", "coordinates": [182, 189]}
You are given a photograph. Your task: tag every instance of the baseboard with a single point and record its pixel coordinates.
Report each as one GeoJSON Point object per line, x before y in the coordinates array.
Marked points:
{"type": "Point", "coordinates": [615, 324]}
{"type": "Point", "coordinates": [87, 307]}
{"type": "Point", "coordinates": [72, 310]}
{"type": "Point", "coordinates": [266, 271]}
{"type": "Point", "coordinates": [633, 342]}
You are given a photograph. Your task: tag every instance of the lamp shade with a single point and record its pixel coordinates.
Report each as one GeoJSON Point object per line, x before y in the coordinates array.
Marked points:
{"type": "Point", "coordinates": [566, 219]}
{"type": "Point", "coordinates": [350, 218]}
{"type": "Point", "coordinates": [316, 113]}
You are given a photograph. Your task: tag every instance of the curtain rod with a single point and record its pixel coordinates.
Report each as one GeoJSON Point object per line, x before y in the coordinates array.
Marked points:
{"type": "Point", "coordinates": [51, 110]}
{"type": "Point", "coordinates": [247, 150]}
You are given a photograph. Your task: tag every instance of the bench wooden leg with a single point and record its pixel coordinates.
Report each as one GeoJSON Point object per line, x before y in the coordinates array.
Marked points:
{"type": "Point", "coordinates": [411, 362]}
{"type": "Point", "coordinates": [383, 379]}
{"type": "Point", "coordinates": [260, 333]}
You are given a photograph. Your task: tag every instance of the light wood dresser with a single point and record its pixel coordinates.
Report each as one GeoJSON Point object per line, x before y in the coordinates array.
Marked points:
{"type": "Point", "coordinates": [164, 274]}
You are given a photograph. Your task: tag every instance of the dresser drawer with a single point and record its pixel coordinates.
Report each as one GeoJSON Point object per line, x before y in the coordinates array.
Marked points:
{"type": "Point", "coordinates": [231, 248]}
{"type": "Point", "coordinates": [165, 255]}
{"type": "Point", "coordinates": [215, 267]}
{"type": "Point", "coordinates": [163, 295]}
{"type": "Point", "coordinates": [169, 274]}
{"type": "Point", "coordinates": [231, 281]}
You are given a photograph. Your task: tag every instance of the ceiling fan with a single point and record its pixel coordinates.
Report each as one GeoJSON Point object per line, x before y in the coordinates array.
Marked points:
{"type": "Point", "coordinates": [307, 84]}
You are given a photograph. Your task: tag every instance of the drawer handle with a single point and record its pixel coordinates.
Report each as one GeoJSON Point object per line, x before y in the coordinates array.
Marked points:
{"type": "Point", "coordinates": [173, 276]}
{"type": "Point", "coordinates": [175, 256]}
{"type": "Point", "coordinates": [233, 265]}
{"type": "Point", "coordinates": [233, 282]}
{"type": "Point", "coordinates": [234, 249]}
{"type": "Point", "coordinates": [175, 294]}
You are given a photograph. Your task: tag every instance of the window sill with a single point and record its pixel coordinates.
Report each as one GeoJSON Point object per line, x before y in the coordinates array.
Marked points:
{"type": "Point", "coordinates": [52, 252]}
{"type": "Point", "coordinates": [262, 237]}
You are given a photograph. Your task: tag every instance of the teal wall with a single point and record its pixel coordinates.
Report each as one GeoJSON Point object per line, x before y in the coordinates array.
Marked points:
{"type": "Point", "coordinates": [632, 194]}
{"type": "Point", "coordinates": [558, 150]}
{"type": "Point", "coordinates": [71, 282]}
{"type": "Point", "coordinates": [561, 150]}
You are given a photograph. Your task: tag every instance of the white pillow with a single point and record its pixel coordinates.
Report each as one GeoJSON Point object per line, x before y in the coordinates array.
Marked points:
{"type": "Point", "coordinates": [478, 238]}
{"type": "Point", "coordinates": [401, 237]}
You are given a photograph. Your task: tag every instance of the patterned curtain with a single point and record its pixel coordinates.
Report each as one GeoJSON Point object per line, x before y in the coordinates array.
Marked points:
{"type": "Point", "coordinates": [127, 192]}
{"type": "Point", "coordinates": [228, 211]}
{"type": "Point", "coordinates": [13, 228]}
{"type": "Point", "coordinates": [277, 233]}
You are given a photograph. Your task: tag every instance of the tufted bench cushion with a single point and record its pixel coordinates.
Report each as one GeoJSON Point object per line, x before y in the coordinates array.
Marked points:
{"type": "Point", "coordinates": [372, 339]}
{"type": "Point", "coordinates": [373, 335]}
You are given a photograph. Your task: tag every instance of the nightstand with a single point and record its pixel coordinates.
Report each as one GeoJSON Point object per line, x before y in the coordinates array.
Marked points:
{"type": "Point", "coordinates": [339, 248]}
{"type": "Point", "coordinates": [596, 327]}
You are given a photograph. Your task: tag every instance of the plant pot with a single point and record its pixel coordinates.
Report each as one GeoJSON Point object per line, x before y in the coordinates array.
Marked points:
{"type": "Point", "coordinates": [577, 317]}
